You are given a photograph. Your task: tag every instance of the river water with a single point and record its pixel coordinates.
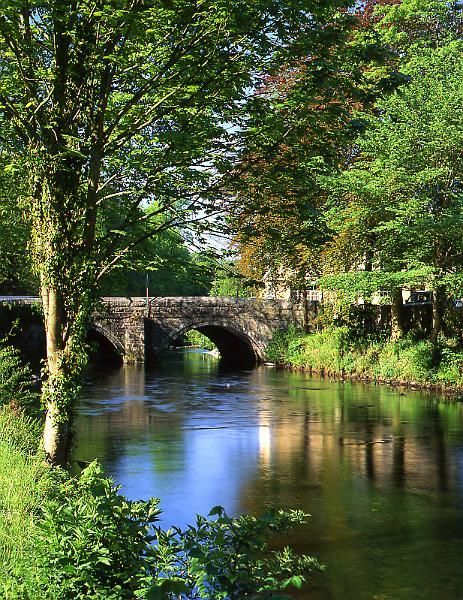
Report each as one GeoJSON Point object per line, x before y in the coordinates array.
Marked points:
{"type": "Point", "coordinates": [380, 472]}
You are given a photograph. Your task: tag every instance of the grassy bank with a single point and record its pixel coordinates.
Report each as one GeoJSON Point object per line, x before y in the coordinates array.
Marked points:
{"type": "Point", "coordinates": [25, 484]}
{"type": "Point", "coordinates": [338, 351]}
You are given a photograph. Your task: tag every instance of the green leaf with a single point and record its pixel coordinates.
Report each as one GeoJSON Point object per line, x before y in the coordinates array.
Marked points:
{"type": "Point", "coordinates": [218, 511]}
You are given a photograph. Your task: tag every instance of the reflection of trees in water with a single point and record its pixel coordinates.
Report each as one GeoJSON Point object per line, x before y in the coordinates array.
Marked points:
{"type": "Point", "coordinates": [375, 469]}
{"type": "Point", "coordinates": [126, 419]}
{"type": "Point", "coordinates": [440, 446]}
{"type": "Point", "coordinates": [314, 437]}
{"type": "Point", "coordinates": [398, 461]}
{"type": "Point", "coordinates": [364, 432]}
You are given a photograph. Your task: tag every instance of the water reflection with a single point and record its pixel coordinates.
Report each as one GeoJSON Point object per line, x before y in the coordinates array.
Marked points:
{"type": "Point", "coordinates": [381, 473]}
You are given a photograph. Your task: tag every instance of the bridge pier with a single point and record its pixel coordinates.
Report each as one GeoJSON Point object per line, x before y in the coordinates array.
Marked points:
{"type": "Point", "coordinates": [122, 322]}
{"type": "Point", "coordinates": [134, 341]}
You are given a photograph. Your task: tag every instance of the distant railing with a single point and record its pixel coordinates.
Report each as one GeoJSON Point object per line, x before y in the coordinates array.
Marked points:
{"type": "Point", "coordinates": [311, 295]}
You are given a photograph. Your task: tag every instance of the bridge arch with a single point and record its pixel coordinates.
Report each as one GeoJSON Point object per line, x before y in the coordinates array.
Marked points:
{"type": "Point", "coordinates": [235, 346]}
{"type": "Point", "coordinates": [110, 347]}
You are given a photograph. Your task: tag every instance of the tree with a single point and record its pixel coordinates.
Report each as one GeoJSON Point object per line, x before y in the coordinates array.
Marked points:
{"type": "Point", "coordinates": [407, 26]}
{"type": "Point", "coordinates": [166, 264]}
{"type": "Point", "coordinates": [308, 116]}
{"type": "Point", "coordinates": [15, 265]}
{"type": "Point", "coordinates": [227, 281]}
{"type": "Point", "coordinates": [396, 199]}
{"type": "Point", "coordinates": [297, 131]}
{"type": "Point", "coordinates": [402, 197]}
{"type": "Point", "coordinates": [128, 102]}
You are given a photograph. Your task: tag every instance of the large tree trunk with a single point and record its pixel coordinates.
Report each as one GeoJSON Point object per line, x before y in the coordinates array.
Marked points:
{"type": "Point", "coordinates": [56, 436]}
{"type": "Point", "coordinates": [63, 257]}
{"type": "Point", "coordinates": [438, 308]}
{"type": "Point", "coordinates": [397, 321]}
{"type": "Point", "coordinates": [57, 428]}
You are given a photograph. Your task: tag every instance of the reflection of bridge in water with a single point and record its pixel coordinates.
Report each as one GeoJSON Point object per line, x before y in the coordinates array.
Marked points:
{"type": "Point", "coordinates": [241, 328]}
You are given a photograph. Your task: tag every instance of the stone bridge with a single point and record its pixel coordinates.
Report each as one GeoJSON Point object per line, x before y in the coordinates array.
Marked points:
{"type": "Point", "coordinates": [241, 328]}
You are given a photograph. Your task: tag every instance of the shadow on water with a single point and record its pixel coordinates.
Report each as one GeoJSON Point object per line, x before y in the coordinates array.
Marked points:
{"type": "Point", "coordinates": [380, 473]}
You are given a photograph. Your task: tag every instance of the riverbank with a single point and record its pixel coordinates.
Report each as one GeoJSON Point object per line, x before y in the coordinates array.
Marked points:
{"type": "Point", "coordinates": [337, 352]}
{"type": "Point", "coordinates": [60, 537]}
{"type": "Point", "coordinates": [26, 484]}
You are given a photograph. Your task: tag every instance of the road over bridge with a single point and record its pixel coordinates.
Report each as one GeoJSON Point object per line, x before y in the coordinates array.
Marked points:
{"type": "Point", "coordinates": [241, 328]}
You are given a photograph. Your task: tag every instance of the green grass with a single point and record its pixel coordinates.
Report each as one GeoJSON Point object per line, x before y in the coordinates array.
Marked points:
{"type": "Point", "coordinates": [338, 351]}
{"type": "Point", "coordinates": [25, 481]}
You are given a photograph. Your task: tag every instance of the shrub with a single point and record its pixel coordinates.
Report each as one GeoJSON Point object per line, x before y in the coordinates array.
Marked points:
{"type": "Point", "coordinates": [450, 368]}
{"type": "Point", "coordinates": [19, 431]}
{"type": "Point", "coordinates": [94, 543]}
{"type": "Point", "coordinates": [16, 381]}
{"type": "Point", "coordinates": [229, 558]}
{"type": "Point", "coordinates": [406, 360]}
{"type": "Point", "coordinates": [277, 350]}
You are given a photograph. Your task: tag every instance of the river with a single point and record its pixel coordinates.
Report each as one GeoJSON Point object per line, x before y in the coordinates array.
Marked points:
{"type": "Point", "coordinates": [380, 471]}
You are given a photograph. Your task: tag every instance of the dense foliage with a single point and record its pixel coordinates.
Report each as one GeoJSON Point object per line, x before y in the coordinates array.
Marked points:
{"type": "Point", "coordinates": [400, 203]}
{"type": "Point", "coordinates": [316, 103]}
{"type": "Point", "coordinates": [15, 381]}
{"type": "Point", "coordinates": [16, 276]}
{"type": "Point", "coordinates": [379, 205]}
{"type": "Point", "coordinates": [165, 264]}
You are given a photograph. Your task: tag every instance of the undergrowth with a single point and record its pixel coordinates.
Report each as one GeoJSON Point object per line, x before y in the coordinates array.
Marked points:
{"type": "Point", "coordinates": [25, 484]}
{"type": "Point", "coordinates": [338, 351]}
